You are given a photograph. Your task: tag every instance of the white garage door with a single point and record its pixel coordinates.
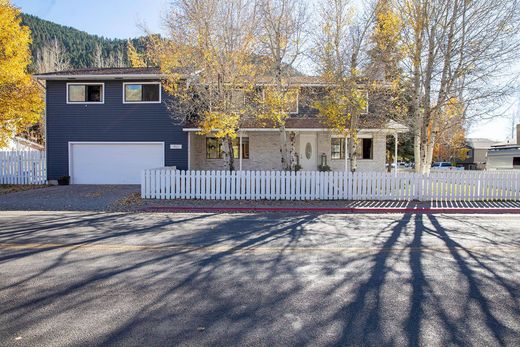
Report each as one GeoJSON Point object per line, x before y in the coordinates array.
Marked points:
{"type": "Point", "coordinates": [113, 163]}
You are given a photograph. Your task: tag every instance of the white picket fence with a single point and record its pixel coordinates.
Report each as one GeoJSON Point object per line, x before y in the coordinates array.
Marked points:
{"type": "Point", "coordinates": [23, 167]}
{"type": "Point", "coordinates": [166, 183]}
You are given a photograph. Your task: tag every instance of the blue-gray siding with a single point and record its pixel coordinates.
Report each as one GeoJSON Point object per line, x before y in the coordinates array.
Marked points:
{"type": "Point", "coordinates": [112, 121]}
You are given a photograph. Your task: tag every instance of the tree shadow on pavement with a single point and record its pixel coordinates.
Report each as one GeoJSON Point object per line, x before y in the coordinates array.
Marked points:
{"type": "Point", "coordinates": [243, 279]}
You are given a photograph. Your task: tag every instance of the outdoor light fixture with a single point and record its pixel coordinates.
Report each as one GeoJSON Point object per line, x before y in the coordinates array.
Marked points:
{"type": "Point", "coordinates": [323, 160]}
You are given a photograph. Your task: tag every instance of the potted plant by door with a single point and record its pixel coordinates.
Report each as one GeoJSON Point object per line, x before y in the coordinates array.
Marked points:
{"type": "Point", "coordinates": [64, 181]}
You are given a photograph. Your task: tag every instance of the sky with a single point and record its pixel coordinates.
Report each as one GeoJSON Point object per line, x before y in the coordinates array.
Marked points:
{"type": "Point", "coordinates": [123, 18]}
{"type": "Point", "coordinates": [108, 18]}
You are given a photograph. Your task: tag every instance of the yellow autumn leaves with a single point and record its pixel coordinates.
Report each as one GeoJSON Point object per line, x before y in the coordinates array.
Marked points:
{"type": "Point", "coordinates": [21, 100]}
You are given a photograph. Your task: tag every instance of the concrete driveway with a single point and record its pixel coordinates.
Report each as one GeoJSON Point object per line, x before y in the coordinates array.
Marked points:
{"type": "Point", "coordinates": [85, 278]}
{"type": "Point", "coordinates": [68, 198]}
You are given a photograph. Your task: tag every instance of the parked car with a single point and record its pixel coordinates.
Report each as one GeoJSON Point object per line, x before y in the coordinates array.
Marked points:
{"type": "Point", "coordinates": [444, 165]}
{"type": "Point", "coordinates": [400, 165]}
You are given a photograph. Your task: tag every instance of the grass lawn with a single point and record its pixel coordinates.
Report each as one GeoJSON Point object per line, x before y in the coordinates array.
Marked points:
{"type": "Point", "coordinates": [11, 188]}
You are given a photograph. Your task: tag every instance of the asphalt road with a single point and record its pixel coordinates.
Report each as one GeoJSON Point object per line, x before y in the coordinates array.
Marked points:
{"type": "Point", "coordinates": [84, 278]}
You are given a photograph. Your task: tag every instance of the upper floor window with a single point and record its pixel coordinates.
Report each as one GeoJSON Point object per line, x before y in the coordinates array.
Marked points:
{"type": "Point", "coordinates": [233, 99]}
{"type": "Point", "coordinates": [85, 93]}
{"type": "Point", "coordinates": [290, 98]}
{"type": "Point", "coordinates": [237, 98]}
{"type": "Point", "coordinates": [144, 92]}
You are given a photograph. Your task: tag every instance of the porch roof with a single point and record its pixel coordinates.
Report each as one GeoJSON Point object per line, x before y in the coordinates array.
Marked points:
{"type": "Point", "coordinates": [313, 124]}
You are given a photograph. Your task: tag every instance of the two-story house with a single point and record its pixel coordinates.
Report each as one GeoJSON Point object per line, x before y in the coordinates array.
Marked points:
{"type": "Point", "coordinates": [476, 155]}
{"type": "Point", "coordinates": [103, 126]}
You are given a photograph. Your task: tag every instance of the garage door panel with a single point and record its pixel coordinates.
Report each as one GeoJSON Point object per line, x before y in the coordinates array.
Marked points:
{"type": "Point", "coordinates": [113, 163]}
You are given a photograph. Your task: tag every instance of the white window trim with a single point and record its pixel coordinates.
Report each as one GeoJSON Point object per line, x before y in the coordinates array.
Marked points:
{"type": "Point", "coordinates": [297, 100]}
{"type": "Point", "coordinates": [142, 102]}
{"type": "Point", "coordinates": [102, 84]}
{"type": "Point", "coordinates": [206, 147]}
{"type": "Point", "coordinates": [360, 136]}
{"type": "Point", "coordinates": [222, 141]}
{"type": "Point", "coordinates": [341, 138]}
{"type": "Point", "coordinates": [365, 111]}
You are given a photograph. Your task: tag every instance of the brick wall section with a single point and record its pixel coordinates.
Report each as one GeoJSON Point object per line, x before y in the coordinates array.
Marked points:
{"type": "Point", "coordinates": [376, 164]}
{"type": "Point", "coordinates": [264, 153]}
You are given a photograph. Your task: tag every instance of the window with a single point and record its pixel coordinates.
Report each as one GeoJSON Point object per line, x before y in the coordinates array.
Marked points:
{"type": "Point", "coordinates": [516, 162]}
{"type": "Point", "coordinates": [85, 93]}
{"type": "Point", "coordinates": [234, 99]}
{"type": "Point", "coordinates": [245, 147]}
{"type": "Point", "coordinates": [365, 111]}
{"type": "Point", "coordinates": [291, 99]}
{"type": "Point", "coordinates": [337, 149]}
{"type": "Point", "coordinates": [237, 97]}
{"type": "Point", "coordinates": [365, 149]}
{"type": "Point", "coordinates": [214, 148]}
{"type": "Point", "coordinates": [142, 92]}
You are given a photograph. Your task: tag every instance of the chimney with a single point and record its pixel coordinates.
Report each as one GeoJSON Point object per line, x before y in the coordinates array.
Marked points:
{"type": "Point", "coordinates": [518, 134]}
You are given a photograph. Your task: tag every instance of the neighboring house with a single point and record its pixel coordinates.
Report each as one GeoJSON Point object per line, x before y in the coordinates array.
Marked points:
{"type": "Point", "coordinates": [106, 125]}
{"type": "Point", "coordinates": [505, 156]}
{"type": "Point", "coordinates": [20, 144]}
{"type": "Point", "coordinates": [477, 151]}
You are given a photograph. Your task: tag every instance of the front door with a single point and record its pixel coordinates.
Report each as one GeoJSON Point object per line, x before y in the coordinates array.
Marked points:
{"type": "Point", "coordinates": [308, 152]}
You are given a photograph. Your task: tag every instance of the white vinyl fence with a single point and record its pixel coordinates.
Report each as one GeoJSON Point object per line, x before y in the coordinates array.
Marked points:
{"type": "Point", "coordinates": [165, 183]}
{"type": "Point", "coordinates": [23, 167]}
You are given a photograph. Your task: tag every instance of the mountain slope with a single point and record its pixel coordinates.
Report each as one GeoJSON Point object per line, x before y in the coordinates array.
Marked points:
{"type": "Point", "coordinates": [81, 49]}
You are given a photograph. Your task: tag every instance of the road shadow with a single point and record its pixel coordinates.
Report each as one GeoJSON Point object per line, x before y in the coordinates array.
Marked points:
{"type": "Point", "coordinates": [299, 280]}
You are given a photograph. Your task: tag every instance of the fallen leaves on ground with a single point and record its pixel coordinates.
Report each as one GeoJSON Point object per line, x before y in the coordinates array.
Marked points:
{"type": "Point", "coordinates": [13, 188]}
{"type": "Point", "coordinates": [130, 200]}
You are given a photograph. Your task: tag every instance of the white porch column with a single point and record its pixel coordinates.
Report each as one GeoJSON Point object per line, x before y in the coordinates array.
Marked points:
{"type": "Point", "coordinates": [240, 150]}
{"type": "Point", "coordinates": [189, 150]}
{"type": "Point", "coordinates": [395, 152]}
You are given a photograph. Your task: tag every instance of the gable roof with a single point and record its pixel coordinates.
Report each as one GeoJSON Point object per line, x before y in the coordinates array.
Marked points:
{"type": "Point", "coordinates": [310, 123]}
{"type": "Point", "coordinates": [105, 73]}
{"type": "Point", "coordinates": [480, 143]}
{"type": "Point", "coordinates": [154, 73]}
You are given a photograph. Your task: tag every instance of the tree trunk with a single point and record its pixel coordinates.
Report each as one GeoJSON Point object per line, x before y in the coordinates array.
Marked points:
{"type": "Point", "coordinates": [283, 148]}
{"type": "Point", "coordinates": [353, 142]}
{"type": "Point", "coordinates": [292, 151]}
{"type": "Point", "coordinates": [418, 118]}
{"type": "Point", "coordinates": [230, 153]}
{"type": "Point", "coordinates": [352, 153]}
{"type": "Point", "coordinates": [434, 113]}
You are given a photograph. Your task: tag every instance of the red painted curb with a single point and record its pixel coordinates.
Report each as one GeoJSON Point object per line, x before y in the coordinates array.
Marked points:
{"type": "Point", "coordinates": [418, 210]}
